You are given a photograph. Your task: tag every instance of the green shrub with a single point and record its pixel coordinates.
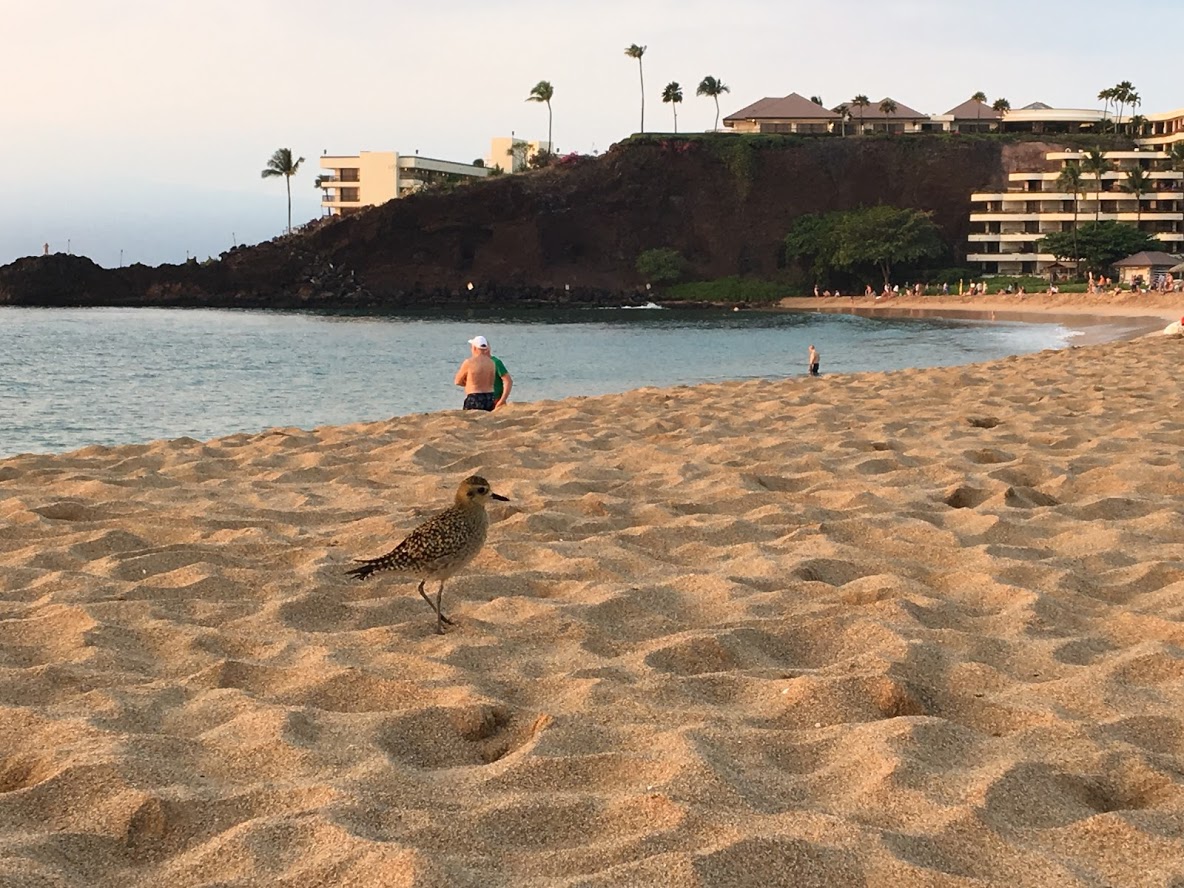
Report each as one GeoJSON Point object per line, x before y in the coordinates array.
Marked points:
{"type": "Point", "coordinates": [730, 289]}
{"type": "Point", "coordinates": [661, 265]}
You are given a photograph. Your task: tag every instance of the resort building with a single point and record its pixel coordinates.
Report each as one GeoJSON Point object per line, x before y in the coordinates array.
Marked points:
{"type": "Point", "coordinates": [1163, 129]}
{"type": "Point", "coordinates": [972, 116]}
{"type": "Point", "coordinates": [900, 118]}
{"type": "Point", "coordinates": [512, 154]}
{"type": "Point", "coordinates": [795, 113]}
{"type": "Point", "coordinates": [1005, 226]}
{"type": "Point", "coordinates": [1146, 267]}
{"type": "Point", "coordinates": [792, 114]}
{"type": "Point", "coordinates": [352, 182]}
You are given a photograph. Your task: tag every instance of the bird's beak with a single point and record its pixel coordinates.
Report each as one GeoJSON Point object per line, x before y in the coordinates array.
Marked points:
{"type": "Point", "coordinates": [499, 497]}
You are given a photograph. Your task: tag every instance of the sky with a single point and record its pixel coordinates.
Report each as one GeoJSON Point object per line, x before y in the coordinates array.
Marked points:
{"type": "Point", "coordinates": [136, 130]}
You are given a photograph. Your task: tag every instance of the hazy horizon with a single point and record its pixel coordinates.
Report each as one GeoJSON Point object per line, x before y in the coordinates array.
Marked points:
{"type": "Point", "coordinates": [141, 127]}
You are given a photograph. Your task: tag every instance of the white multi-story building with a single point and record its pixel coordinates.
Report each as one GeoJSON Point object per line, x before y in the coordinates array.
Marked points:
{"type": "Point", "coordinates": [354, 181]}
{"type": "Point", "coordinates": [1005, 226]}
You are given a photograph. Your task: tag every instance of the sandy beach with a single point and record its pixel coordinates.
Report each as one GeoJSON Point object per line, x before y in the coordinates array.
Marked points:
{"type": "Point", "coordinates": [920, 628]}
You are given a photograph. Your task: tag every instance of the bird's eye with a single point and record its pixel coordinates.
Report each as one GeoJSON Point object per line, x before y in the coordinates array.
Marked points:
{"type": "Point", "coordinates": [481, 491]}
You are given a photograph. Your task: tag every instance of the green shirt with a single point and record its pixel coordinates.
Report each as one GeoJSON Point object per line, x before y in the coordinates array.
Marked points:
{"type": "Point", "coordinates": [499, 370]}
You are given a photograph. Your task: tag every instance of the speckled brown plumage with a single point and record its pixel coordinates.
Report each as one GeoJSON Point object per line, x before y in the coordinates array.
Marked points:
{"type": "Point", "coordinates": [442, 545]}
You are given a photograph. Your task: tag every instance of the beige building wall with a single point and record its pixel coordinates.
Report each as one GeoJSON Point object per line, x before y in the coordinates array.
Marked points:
{"type": "Point", "coordinates": [352, 181]}
{"type": "Point", "coordinates": [500, 155]}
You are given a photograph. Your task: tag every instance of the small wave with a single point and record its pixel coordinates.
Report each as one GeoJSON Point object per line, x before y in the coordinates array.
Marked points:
{"type": "Point", "coordinates": [647, 305]}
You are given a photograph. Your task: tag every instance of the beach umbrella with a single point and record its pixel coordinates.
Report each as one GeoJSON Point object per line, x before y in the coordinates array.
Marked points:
{"type": "Point", "coordinates": [1176, 269]}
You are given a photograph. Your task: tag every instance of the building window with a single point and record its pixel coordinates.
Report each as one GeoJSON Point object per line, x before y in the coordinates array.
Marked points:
{"type": "Point", "coordinates": [350, 195]}
{"type": "Point", "coordinates": [348, 175]}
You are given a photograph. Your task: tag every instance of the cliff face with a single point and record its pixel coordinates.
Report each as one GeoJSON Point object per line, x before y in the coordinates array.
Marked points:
{"type": "Point", "coordinates": [724, 203]}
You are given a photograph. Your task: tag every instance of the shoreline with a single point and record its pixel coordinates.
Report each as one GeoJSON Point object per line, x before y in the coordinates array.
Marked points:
{"type": "Point", "coordinates": [1095, 318]}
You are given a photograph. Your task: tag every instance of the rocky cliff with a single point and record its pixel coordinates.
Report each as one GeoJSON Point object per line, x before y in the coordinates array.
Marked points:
{"type": "Point", "coordinates": [569, 232]}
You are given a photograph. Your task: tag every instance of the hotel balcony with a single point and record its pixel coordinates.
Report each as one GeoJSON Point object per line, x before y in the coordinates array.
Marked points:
{"type": "Point", "coordinates": [996, 237]}
{"type": "Point", "coordinates": [1010, 257]}
{"type": "Point", "coordinates": [1004, 216]}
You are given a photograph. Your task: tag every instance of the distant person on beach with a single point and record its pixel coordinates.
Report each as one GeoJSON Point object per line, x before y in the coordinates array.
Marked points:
{"type": "Point", "coordinates": [813, 361]}
{"type": "Point", "coordinates": [486, 380]}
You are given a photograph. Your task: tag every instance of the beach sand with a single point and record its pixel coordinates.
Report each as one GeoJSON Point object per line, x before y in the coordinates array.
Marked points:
{"type": "Point", "coordinates": [920, 628]}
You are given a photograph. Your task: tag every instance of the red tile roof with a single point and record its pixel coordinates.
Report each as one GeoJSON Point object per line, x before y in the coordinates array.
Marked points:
{"type": "Point", "coordinates": [791, 107]}
{"type": "Point", "coordinates": [873, 112]}
{"type": "Point", "coordinates": [972, 109]}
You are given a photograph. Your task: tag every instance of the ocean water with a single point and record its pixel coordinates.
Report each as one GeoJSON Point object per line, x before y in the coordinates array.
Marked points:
{"type": "Point", "coordinates": [72, 377]}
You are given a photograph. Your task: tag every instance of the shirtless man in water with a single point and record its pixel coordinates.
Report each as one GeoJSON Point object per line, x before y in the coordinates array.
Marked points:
{"type": "Point", "coordinates": [480, 374]}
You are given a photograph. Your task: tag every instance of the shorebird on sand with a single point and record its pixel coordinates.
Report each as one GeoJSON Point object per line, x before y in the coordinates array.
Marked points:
{"type": "Point", "coordinates": [442, 545]}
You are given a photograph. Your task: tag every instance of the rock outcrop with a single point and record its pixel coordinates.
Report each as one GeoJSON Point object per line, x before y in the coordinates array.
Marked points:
{"type": "Point", "coordinates": [568, 233]}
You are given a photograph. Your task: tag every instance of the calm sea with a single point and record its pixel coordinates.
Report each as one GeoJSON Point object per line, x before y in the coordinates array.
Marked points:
{"type": "Point", "coordinates": [72, 377]}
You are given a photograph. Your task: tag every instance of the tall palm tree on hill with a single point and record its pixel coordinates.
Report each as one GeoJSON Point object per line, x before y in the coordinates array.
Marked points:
{"type": "Point", "coordinates": [636, 52]}
{"type": "Point", "coordinates": [672, 95]}
{"type": "Point", "coordinates": [980, 98]}
{"type": "Point", "coordinates": [887, 108]}
{"type": "Point", "coordinates": [1106, 95]}
{"type": "Point", "coordinates": [1072, 180]}
{"type": "Point", "coordinates": [713, 88]}
{"type": "Point", "coordinates": [1122, 93]}
{"type": "Point", "coordinates": [1095, 163]}
{"type": "Point", "coordinates": [861, 101]}
{"type": "Point", "coordinates": [543, 92]}
{"type": "Point", "coordinates": [281, 164]}
{"type": "Point", "coordinates": [1134, 100]}
{"type": "Point", "coordinates": [1138, 183]}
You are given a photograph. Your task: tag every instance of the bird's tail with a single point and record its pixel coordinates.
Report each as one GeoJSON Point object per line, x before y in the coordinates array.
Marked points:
{"type": "Point", "coordinates": [373, 565]}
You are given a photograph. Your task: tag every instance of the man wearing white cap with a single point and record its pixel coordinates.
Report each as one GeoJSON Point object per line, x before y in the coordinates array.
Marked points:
{"type": "Point", "coordinates": [486, 380]}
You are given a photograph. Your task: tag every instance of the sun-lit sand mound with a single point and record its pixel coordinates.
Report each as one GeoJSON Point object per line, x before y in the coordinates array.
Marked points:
{"type": "Point", "coordinates": [917, 629]}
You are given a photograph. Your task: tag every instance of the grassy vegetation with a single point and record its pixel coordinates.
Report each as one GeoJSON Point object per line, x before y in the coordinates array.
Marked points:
{"type": "Point", "coordinates": [1030, 283]}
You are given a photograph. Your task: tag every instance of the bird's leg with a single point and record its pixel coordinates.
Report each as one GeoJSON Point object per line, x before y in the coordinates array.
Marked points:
{"type": "Point", "coordinates": [424, 596]}
{"type": "Point", "coordinates": [435, 605]}
{"type": "Point", "coordinates": [439, 612]}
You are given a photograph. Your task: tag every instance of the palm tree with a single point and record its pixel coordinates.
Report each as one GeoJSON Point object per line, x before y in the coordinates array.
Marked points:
{"type": "Point", "coordinates": [1001, 105]}
{"type": "Point", "coordinates": [1137, 123]}
{"type": "Point", "coordinates": [281, 164]}
{"type": "Point", "coordinates": [636, 52]}
{"type": "Point", "coordinates": [844, 115]}
{"type": "Point", "coordinates": [1122, 93]}
{"type": "Point", "coordinates": [817, 100]}
{"type": "Point", "coordinates": [1134, 100]}
{"type": "Point", "coordinates": [1138, 183]}
{"type": "Point", "coordinates": [1072, 180]}
{"type": "Point", "coordinates": [672, 95]}
{"type": "Point", "coordinates": [1096, 163]}
{"type": "Point", "coordinates": [1176, 157]}
{"type": "Point", "coordinates": [980, 98]}
{"type": "Point", "coordinates": [713, 88]}
{"type": "Point", "coordinates": [860, 101]}
{"type": "Point", "coordinates": [1106, 96]}
{"type": "Point", "coordinates": [544, 92]}
{"type": "Point", "coordinates": [887, 108]}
